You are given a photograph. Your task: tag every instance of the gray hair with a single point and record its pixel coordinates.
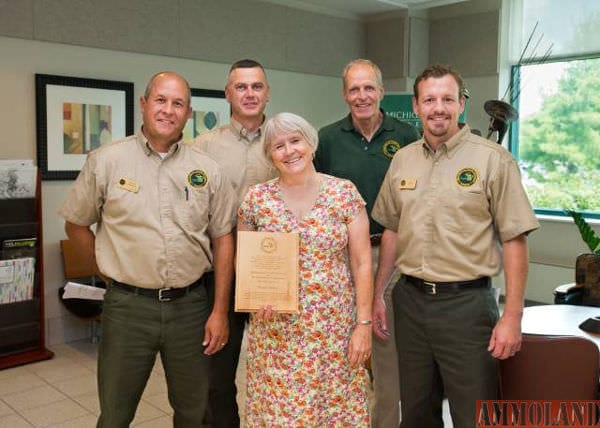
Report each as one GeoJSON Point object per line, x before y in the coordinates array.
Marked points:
{"type": "Point", "coordinates": [285, 123]}
{"type": "Point", "coordinates": [367, 62]}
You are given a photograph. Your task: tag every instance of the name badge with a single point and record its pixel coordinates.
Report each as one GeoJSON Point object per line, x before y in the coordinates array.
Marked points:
{"type": "Point", "coordinates": [408, 184]}
{"type": "Point", "coordinates": [128, 184]}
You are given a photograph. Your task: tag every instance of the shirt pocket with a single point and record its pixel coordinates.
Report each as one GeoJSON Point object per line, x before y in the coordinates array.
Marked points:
{"type": "Point", "coordinates": [464, 209]}
{"type": "Point", "coordinates": [122, 204]}
{"type": "Point", "coordinates": [192, 210]}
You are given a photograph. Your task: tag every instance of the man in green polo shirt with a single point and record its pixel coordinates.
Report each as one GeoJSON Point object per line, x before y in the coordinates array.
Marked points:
{"type": "Point", "coordinates": [359, 147]}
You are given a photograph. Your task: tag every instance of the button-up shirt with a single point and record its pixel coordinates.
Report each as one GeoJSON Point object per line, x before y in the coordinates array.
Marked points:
{"type": "Point", "coordinates": [453, 207]}
{"type": "Point", "coordinates": [240, 155]}
{"type": "Point", "coordinates": [155, 216]}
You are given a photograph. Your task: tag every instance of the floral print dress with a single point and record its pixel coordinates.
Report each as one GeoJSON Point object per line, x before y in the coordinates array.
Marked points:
{"type": "Point", "coordinates": [298, 374]}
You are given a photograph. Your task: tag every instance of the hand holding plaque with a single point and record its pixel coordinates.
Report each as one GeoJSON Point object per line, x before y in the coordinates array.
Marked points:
{"type": "Point", "coordinates": [267, 271]}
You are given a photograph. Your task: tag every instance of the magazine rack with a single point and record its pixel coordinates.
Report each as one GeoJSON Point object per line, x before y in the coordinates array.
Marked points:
{"type": "Point", "coordinates": [22, 332]}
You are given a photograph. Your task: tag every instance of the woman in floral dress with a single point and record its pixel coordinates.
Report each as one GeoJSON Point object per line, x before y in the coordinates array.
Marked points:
{"type": "Point", "coordinates": [307, 369]}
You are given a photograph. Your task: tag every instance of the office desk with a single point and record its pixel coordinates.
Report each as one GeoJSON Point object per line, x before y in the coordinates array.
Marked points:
{"type": "Point", "coordinates": [559, 320]}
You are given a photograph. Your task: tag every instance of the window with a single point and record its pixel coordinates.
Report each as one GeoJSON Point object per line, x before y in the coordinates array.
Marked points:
{"type": "Point", "coordinates": [557, 140]}
{"type": "Point", "coordinates": [557, 93]}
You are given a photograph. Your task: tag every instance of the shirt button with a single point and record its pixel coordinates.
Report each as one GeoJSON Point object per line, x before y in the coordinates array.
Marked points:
{"type": "Point", "coordinates": [366, 148]}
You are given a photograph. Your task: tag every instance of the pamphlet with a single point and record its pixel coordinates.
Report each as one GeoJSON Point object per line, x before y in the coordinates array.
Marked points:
{"type": "Point", "coordinates": [75, 290]}
{"type": "Point", "coordinates": [16, 279]}
{"type": "Point", "coordinates": [17, 179]}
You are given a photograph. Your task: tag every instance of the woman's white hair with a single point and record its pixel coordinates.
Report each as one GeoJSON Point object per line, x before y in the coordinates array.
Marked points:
{"type": "Point", "coordinates": [285, 123]}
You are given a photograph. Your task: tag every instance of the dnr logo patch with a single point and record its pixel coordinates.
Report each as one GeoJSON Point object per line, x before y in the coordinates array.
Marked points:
{"type": "Point", "coordinates": [390, 147]}
{"type": "Point", "coordinates": [197, 179]}
{"type": "Point", "coordinates": [466, 177]}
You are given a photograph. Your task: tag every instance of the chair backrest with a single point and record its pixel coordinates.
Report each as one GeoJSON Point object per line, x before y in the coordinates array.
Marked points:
{"type": "Point", "coordinates": [551, 368]}
{"type": "Point", "coordinates": [81, 269]}
{"type": "Point", "coordinates": [74, 264]}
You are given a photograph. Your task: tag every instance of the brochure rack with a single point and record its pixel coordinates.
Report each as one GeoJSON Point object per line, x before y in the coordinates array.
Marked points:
{"type": "Point", "coordinates": [22, 333]}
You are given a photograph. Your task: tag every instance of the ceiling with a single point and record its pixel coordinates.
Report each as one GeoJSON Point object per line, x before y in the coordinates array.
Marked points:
{"type": "Point", "coordinates": [360, 8]}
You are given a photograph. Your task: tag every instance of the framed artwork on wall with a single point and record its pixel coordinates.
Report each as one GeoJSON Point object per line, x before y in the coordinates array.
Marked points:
{"type": "Point", "coordinates": [210, 110]}
{"type": "Point", "coordinates": [76, 115]}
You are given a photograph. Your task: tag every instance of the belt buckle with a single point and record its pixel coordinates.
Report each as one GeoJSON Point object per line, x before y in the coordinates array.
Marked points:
{"type": "Point", "coordinates": [162, 298]}
{"type": "Point", "coordinates": [430, 290]}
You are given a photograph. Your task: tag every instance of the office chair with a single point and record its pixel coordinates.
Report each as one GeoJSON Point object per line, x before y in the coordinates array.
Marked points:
{"type": "Point", "coordinates": [551, 368]}
{"type": "Point", "coordinates": [586, 288]}
{"type": "Point", "coordinates": [77, 268]}
{"type": "Point", "coordinates": [569, 294]}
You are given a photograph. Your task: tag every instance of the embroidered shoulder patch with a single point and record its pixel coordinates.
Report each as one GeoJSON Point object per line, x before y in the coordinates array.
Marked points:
{"type": "Point", "coordinates": [467, 177]}
{"type": "Point", "coordinates": [390, 147]}
{"type": "Point", "coordinates": [197, 179]}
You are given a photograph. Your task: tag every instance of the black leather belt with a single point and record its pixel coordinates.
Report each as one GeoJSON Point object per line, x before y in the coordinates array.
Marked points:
{"type": "Point", "coordinates": [376, 240]}
{"type": "Point", "coordinates": [430, 287]}
{"type": "Point", "coordinates": [162, 294]}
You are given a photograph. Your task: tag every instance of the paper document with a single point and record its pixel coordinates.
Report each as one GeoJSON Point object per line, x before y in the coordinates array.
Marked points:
{"type": "Point", "coordinates": [16, 279]}
{"type": "Point", "coordinates": [74, 290]}
{"type": "Point", "coordinates": [17, 179]}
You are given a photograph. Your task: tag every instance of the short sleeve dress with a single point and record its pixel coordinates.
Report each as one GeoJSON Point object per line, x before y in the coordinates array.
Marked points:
{"type": "Point", "coordinates": [298, 372]}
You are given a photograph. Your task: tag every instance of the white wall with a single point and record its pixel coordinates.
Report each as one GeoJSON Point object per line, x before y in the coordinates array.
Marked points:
{"type": "Point", "coordinates": [315, 97]}
{"type": "Point", "coordinates": [553, 250]}
{"type": "Point", "coordinates": [542, 281]}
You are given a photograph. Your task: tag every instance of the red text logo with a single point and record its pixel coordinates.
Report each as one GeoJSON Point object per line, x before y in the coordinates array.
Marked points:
{"type": "Point", "coordinates": [538, 413]}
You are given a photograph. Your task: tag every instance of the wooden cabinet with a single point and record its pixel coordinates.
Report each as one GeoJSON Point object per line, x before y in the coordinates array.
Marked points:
{"type": "Point", "coordinates": [22, 333]}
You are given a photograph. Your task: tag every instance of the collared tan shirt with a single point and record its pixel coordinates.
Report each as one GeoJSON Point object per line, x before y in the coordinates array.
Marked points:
{"type": "Point", "coordinates": [240, 155]}
{"type": "Point", "coordinates": [453, 208]}
{"type": "Point", "coordinates": [155, 217]}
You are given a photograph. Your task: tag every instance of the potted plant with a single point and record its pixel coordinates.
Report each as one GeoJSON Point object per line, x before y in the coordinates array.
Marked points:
{"type": "Point", "coordinates": [587, 265]}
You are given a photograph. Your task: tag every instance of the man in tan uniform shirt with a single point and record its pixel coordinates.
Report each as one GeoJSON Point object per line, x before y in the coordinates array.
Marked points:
{"type": "Point", "coordinates": [164, 215]}
{"type": "Point", "coordinates": [237, 148]}
{"type": "Point", "coordinates": [448, 203]}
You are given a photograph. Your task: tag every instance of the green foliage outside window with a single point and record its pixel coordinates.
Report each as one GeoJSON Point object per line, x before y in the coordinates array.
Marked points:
{"type": "Point", "coordinates": [559, 145]}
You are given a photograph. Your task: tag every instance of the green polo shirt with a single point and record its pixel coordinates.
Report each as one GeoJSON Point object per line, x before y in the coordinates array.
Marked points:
{"type": "Point", "coordinates": [344, 152]}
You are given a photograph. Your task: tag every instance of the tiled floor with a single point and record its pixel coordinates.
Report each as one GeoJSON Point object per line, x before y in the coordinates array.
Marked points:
{"type": "Point", "coordinates": [61, 392]}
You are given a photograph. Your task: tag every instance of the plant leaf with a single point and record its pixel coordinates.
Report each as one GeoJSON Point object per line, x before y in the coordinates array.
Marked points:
{"type": "Point", "coordinates": [587, 233]}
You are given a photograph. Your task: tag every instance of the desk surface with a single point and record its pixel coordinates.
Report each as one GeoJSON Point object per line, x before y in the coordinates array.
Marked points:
{"type": "Point", "coordinates": [559, 320]}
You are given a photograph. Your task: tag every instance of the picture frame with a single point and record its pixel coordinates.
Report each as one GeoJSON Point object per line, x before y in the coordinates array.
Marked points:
{"type": "Point", "coordinates": [76, 115]}
{"type": "Point", "coordinates": [210, 110]}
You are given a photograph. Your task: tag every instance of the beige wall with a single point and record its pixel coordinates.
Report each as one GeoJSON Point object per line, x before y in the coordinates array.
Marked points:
{"type": "Point", "coordinates": [387, 45]}
{"type": "Point", "coordinates": [466, 37]}
{"type": "Point", "coordinates": [219, 31]}
{"type": "Point", "coordinates": [463, 35]}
